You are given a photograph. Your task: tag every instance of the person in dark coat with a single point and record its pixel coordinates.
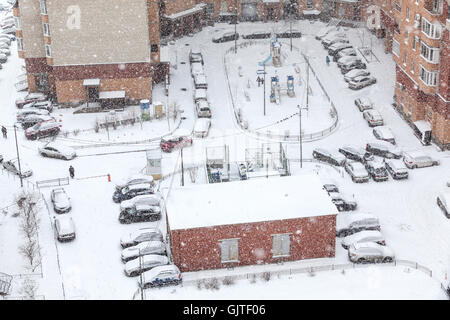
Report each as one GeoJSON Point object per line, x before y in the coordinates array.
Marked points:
{"type": "Point", "coordinates": [4, 131]}
{"type": "Point", "coordinates": [327, 59]}
{"type": "Point", "coordinates": [72, 172]}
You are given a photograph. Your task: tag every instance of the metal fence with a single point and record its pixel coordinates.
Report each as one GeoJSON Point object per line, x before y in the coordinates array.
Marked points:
{"type": "Point", "coordinates": [53, 183]}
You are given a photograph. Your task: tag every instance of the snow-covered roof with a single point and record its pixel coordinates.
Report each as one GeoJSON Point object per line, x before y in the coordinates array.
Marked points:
{"type": "Point", "coordinates": [312, 11]}
{"type": "Point", "coordinates": [164, 54]}
{"type": "Point", "coordinates": [422, 125]}
{"type": "Point", "coordinates": [253, 200]}
{"type": "Point", "coordinates": [111, 94]}
{"type": "Point", "coordinates": [199, 7]}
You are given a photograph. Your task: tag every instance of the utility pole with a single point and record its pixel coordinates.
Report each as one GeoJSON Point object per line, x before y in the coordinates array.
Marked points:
{"type": "Point", "coordinates": [140, 275]}
{"type": "Point", "coordinates": [18, 156]}
{"type": "Point", "coordinates": [264, 90]}
{"type": "Point", "coordinates": [182, 169]}
{"type": "Point", "coordinates": [235, 26]}
{"type": "Point", "coordinates": [290, 34]}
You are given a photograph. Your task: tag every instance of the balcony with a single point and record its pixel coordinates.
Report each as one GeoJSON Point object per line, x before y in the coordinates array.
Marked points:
{"type": "Point", "coordinates": [434, 7]}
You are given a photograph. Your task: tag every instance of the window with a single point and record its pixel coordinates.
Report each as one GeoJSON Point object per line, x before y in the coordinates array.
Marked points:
{"type": "Point", "coordinates": [428, 77]}
{"type": "Point", "coordinates": [431, 30]}
{"type": "Point", "coordinates": [406, 36]}
{"type": "Point", "coordinates": [429, 53]}
{"type": "Point", "coordinates": [223, 7]}
{"type": "Point", "coordinates": [398, 5]}
{"type": "Point", "coordinates": [309, 4]}
{"type": "Point", "coordinates": [407, 13]}
{"type": "Point", "coordinates": [395, 48]}
{"type": "Point", "coordinates": [413, 65]}
{"type": "Point", "coordinates": [404, 58]}
{"type": "Point", "coordinates": [43, 6]}
{"type": "Point", "coordinates": [230, 250]}
{"type": "Point", "coordinates": [154, 48]}
{"type": "Point", "coordinates": [46, 29]}
{"type": "Point", "coordinates": [409, 110]}
{"type": "Point", "coordinates": [436, 6]}
{"type": "Point", "coordinates": [415, 42]}
{"type": "Point", "coordinates": [17, 23]}
{"type": "Point", "coordinates": [209, 8]}
{"type": "Point", "coordinates": [281, 245]}
{"type": "Point", "coordinates": [384, 3]}
{"type": "Point", "coordinates": [20, 44]}
{"type": "Point", "coordinates": [48, 51]}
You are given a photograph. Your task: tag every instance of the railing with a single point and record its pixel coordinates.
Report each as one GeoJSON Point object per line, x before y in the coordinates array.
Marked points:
{"type": "Point", "coordinates": [52, 183]}
{"type": "Point", "coordinates": [5, 283]}
{"type": "Point", "coordinates": [29, 184]}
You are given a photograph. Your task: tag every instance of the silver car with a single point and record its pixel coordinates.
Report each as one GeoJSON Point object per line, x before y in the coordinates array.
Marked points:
{"type": "Point", "coordinates": [55, 150]}
{"type": "Point", "coordinates": [60, 200]}
{"type": "Point", "coordinates": [13, 167]}
{"type": "Point", "coordinates": [140, 235]}
{"type": "Point", "coordinates": [364, 103]}
{"type": "Point", "coordinates": [141, 264]}
{"type": "Point", "coordinates": [418, 159]}
{"type": "Point", "coordinates": [373, 118]}
{"type": "Point", "coordinates": [357, 171]}
{"type": "Point", "coordinates": [370, 252]}
{"type": "Point", "coordinates": [142, 249]}
{"type": "Point", "coordinates": [361, 82]}
{"type": "Point", "coordinates": [347, 224]}
{"type": "Point", "coordinates": [443, 201]}
{"type": "Point", "coordinates": [354, 73]}
{"type": "Point", "coordinates": [64, 228]}
{"type": "Point", "coordinates": [363, 236]}
{"type": "Point", "coordinates": [384, 133]}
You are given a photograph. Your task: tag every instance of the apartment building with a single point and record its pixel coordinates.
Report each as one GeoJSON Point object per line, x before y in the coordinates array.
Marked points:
{"type": "Point", "coordinates": [90, 50]}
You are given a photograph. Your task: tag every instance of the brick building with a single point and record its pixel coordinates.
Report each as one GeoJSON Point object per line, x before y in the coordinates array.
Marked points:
{"type": "Point", "coordinates": [250, 222]}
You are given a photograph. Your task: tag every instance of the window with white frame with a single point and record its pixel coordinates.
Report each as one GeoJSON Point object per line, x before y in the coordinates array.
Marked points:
{"type": "Point", "coordinates": [395, 47]}
{"type": "Point", "coordinates": [429, 53]}
{"type": "Point", "coordinates": [404, 58]}
{"type": "Point", "coordinates": [436, 6]}
{"type": "Point", "coordinates": [309, 4]}
{"type": "Point", "coordinates": [430, 29]}
{"type": "Point", "coordinates": [406, 36]}
{"type": "Point", "coordinates": [46, 28]}
{"type": "Point", "coordinates": [428, 77]}
{"type": "Point", "coordinates": [398, 5]}
{"type": "Point", "coordinates": [20, 44]}
{"type": "Point", "coordinates": [229, 250]}
{"type": "Point", "coordinates": [407, 13]}
{"type": "Point", "coordinates": [409, 110]}
{"type": "Point", "coordinates": [413, 65]}
{"type": "Point", "coordinates": [17, 23]}
{"type": "Point", "coordinates": [48, 51]}
{"type": "Point", "coordinates": [415, 42]}
{"type": "Point", "coordinates": [281, 245]}
{"type": "Point", "coordinates": [43, 6]}
{"type": "Point", "coordinates": [209, 8]}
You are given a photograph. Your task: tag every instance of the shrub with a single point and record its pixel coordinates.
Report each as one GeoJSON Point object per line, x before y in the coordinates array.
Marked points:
{"type": "Point", "coordinates": [266, 276]}
{"type": "Point", "coordinates": [228, 281]}
{"type": "Point", "coordinates": [76, 132]}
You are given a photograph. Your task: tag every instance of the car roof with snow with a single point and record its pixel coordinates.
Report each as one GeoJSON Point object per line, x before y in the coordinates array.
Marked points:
{"type": "Point", "coordinates": [416, 154]}
{"type": "Point", "coordinates": [65, 223]}
{"type": "Point", "coordinates": [147, 259]}
{"type": "Point", "coordinates": [363, 234]}
{"type": "Point", "coordinates": [445, 198]}
{"type": "Point", "coordinates": [384, 131]}
{"type": "Point", "coordinates": [139, 186]}
{"type": "Point", "coordinates": [396, 164]}
{"type": "Point", "coordinates": [345, 219]}
{"type": "Point", "coordinates": [59, 147]}
{"type": "Point", "coordinates": [201, 124]}
{"type": "Point", "coordinates": [373, 245]}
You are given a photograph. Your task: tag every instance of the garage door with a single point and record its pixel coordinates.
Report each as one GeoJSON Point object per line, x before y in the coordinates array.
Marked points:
{"type": "Point", "coordinates": [249, 11]}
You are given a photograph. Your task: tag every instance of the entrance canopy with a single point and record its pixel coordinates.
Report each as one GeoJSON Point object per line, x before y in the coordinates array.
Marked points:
{"type": "Point", "coordinates": [422, 125]}
{"type": "Point", "coordinates": [198, 8]}
{"type": "Point", "coordinates": [104, 95]}
{"type": "Point", "coordinates": [91, 82]}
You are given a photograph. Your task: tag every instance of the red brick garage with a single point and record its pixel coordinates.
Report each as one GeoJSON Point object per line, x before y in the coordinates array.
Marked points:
{"type": "Point", "coordinates": [250, 222]}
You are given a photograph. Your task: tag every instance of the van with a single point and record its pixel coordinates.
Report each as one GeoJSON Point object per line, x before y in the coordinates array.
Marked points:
{"type": "Point", "coordinates": [347, 224]}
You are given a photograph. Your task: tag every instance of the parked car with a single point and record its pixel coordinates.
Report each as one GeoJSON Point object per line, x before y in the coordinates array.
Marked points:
{"type": "Point", "coordinates": [200, 81]}
{"type": "Point", "coordinates": [364, 103]}
{"type": "Point", "coordinates": [448, 182]}
{"type": "Point", "coordinates": [377, 170]}
{"type": "Point", "coordinates": [347, 224]}
{"type": "Point", "coordinates": [175, 141]}
{"type": "Point", "coordinates": [370, 252]}
{"type": "Point", "coordinates": [5, 51]}
{"type": "Point", "coordinates": [60, 200]}
{"type": "Point", "coordinates": [257, 35]}
{"type": "Point", "coordinates": [342, 202]}
{"type": "Point", "coordinates": [443, 201]}
{"type": "Point", "coordinates": [396, 169]}
{"type": "Point", "coordinates": [1, 158]}
{"type": "Point", "coordinates": [31, 97]}
{"type": "Point", "coordinates": [10, 30]}
{"type": "Point", "coordinates": [357, 154]}
{"type": "Point", "coordinates": [23, 113]}
{"type": "Point", "coordinates": [356, 171]}
{"type": "Point", "coordinates": [195, 56]}
{"type": "Point", "coordinates": [325, 155]}
{"type": "Point", "coordinates": [335, 48]}
{"type": "Point", "coordinates": [134, 179]}
{"type": "Point", "coordinates": [354, 73]}
{"type": "Point", "coordinates": [42, 129]}
{"type": "Point", "coordinates": [350, 64]}
{"type": "Point", "coordinates": [65, 228]}
{"type": "Point", "coordinates": [324, 32]}
{"type": "Point", "coordinates": [55, 150]}
{"type": "Point", "coordinates": [333, 41]}
{"type": "Point", "coordinates": [384, 133]}
{"type": "Point", "coordinates": [384, 149]}
{"type": "Point", "coordinates": [350, 52]}
{"type": "Point", "coordinates": [361, 82]}
{"type": "Point", "coordinates": [160, 276]}
{"type": "Point", "coordinates": [132, 191]}
{"type": "Point", "coordinates": [294, 33]}
{"type": "Point", "coordinates": [373, 118]}
{"type": "Point", "coordinates": [43, 105]}
{"type": "Point", "coordinates": [201, 127]}
{"type": "Point", "coordinates": [13, 167]}
{"type": "Point", "coordinates": [6, 40]}
{"type": "Point", "coordinates": [326, 41]}
{"type": "Point", "coordinates": [200, 94]}
{"type": "Point", "coordinates": [140, 213]}
{"type": "Point", "coordinates": [140, 235]}
{"type": "Point", "coordinates": [203, 108]}
{"type": "Point", "coordinates": [196, 68]}
{"type": "Point", "coordinates": [418, 159]}
{"type": "Point", "coordinates": [137, 266]}
{"type": "Point", "coordinates": [346, 59]}
{"type": "Point", "coordinates": [143, 248]}
{"type": "Point", "coordinates": [147, 199]}
{"type": "Point", "coordinates": [227, 36]}
{"type": "Point", "coordinates": [363, 236]}
{"type": "Point", "coordinates": [330, 188]}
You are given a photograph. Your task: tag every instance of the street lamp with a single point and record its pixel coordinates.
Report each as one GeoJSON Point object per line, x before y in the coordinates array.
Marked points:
{"type": "Point", "coordinates": [235, 26]}
{"type": "Point", "coordinates": [18, 156]}
{"type": "Point", "coordinates": [300, 133]}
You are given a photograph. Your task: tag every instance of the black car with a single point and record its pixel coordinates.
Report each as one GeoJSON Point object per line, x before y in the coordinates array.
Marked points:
{"type": "Point", "coordinates": [131, 191]}
{"type": "Point", "coordinates": [289, 34]}
{"type": "Point", "coordinates": [325, 155]}
{"type": "Point", "coordinates": [377, 171]}
{"type": "Point", "coordinates": [397, 169]}
{"type": "Point", "coordinates": [341, 203]}
{"type": "Point", "coordinates": [356, 154]}
{"type": "Point", "coordinates": [330, 188]}
{"type": "Point", "coordinates": [257, 35]}
{"type": "Point", "coordinates": [141, 213]}
{"type": "Point", "coordinates": [381, 150]}
{"type": "Point", "coordinates": [228, 36]}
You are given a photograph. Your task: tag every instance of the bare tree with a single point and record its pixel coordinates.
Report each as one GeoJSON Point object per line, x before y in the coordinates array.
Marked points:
{"type": "Point", "coordinates": [28, 289]}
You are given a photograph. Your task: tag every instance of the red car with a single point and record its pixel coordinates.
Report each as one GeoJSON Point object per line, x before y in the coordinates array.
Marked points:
{"type": "Point", "coordinates": [31, 97]}
{"type": "Point", "coordinates": [175, 141]}
{"type": "Point", "coordinates": [42, 129]}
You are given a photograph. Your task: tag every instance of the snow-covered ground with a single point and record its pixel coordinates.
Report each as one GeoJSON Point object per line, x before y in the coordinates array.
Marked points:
{"type": "Point", "coordinates": [90, 266]}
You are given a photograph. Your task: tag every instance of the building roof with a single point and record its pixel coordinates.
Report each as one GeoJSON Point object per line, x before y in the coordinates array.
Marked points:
{"type": "Point", "coordinates": [198, 7]}
{"type": "Point", "coordinates": [254, 200]}
{"type": "Point", "coordinates": [422, 125]}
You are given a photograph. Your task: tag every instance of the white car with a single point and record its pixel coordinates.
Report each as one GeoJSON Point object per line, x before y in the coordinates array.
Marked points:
{"type": "Point", "coordinates": [364, 103]}
{"type": "Point", "coordinates": [201, 127]}
{"type": "Point", "coordinates": [140, 235]}
{"type": "Point", "coordinates": [347, 224]}
{"type": "Point", "coordinates": [159, 276]}
{"type": "Point", "coordinates": [5, 51]}
{"type": "Point", "coordinates": [373, 118]}
{"type": "Point", "coordinates": [197, 68]}
{"type": "Point", "coordinates": [203, 108]}
{"type": "Point", "coordinates": [144, 263]}
{"type": "Point", "coordinates": [143, 248]}
{"type": "Point", "coordinates": [23, 113]}
{"type": "Point", "coordinates": [146, 199]}
{"type": "Point", "coordinates": [363, 236]}
{"type": "Point", "coordinates": [324, 32]}
{"type": "Point", "coordinates": [134, 179]}
{"type": "Point", "coordinates": [352, 74]}
{"type": "Point", "coordinates": [418, 159]}
{"type": "Point", "coordinates": [443, 201]}
{"type": "Point", "coordinates": [357, 171]}
{"type": "Point", "coordinates": [370, 252]}
{"type": "Point", "coordinates": [200, 94]}
{"type": "Point", "coordinates": [384, 133]}
{"type": "Point", "coordinates": [200, 81]}
{"type": "Point", "coordinates": [397, 169]}
{"type": "Point", "coordinates": [60, 200]}
{"type": "Point", "coordinates": [326, 41]}
{"type": "Point", "coordinates": [56, 150]}
{"type": "Point", "coordinates": [361, 82]}
{"type": "Point", "coordinates": [65, 228]}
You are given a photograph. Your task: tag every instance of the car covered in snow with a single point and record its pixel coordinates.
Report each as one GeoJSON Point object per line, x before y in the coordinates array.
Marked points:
{"type": "Point", "coordinates": [377, 170]}
{"type": "Point", "coordinates": [143, 248]}
{"type": "Point", "coordinates": [1, 158]}
{"type": "Point", "coordinates": [140, 213]}
{"type": "Point", "coordinates": [58, 151]}
{"type": "Point", "coordinates": [357, 171]}
{"type": "Point", "coordinates": [201, 127]}
{"type": "Point", "coordinates": [42, 105]}
{"type": "Point", "coordinates": [131, 191]}
{"type": "Point", "coordinates": [31, 97]}
{"type": "Point", "coordinates": [42, 130]}
{"type": "Point", "coordinates": [177, 140]}
{"type": "Point", "coordinates": [356, 153]}
{"type": "Point", "coordinates": [259, 34]}
{"type": "Point", "coordinates": [23, 113]}
{"type": "Point", "coordinates": [60, 200]}
{"type": "Point", "coordinates": [443, 201]}
{"type": "Point", "coordinates": [329, 42]}
{"type": "Point", "coordinates": [13, 167]}
{"type": "Point", "coordinates": [160, 276]}
{"type": "Point", "coordinates": [364, 103]}
{"type": "Point", "coordinates": [5, 51]}
{"type": "Point", "coordinates": [335, 48]}
{"type": "Point", "coordinates": [134, 179]}
{"type": "Point", "coordinates": [289, 33]}
{"type": "Point", "coordinates": [373, 118]}
{"type": "Point", "coordinates": [148, 199]}
{"type": "Point", "coordinates": [200, 94]}
{"type": "Point", "coordinates": [418, 159]}
{"type": "Point", "coordinates": [333, 36]}
{"type": "Point", "coordinates": [143, 234]}
{"type": "Point", "coordinates": [396, 169]}
{"type": "Point", "coordinates": [363, 236]}
{"type": "Point", "coordinates": [354, 73]}
{"type": "Point", "coordinates": [141, 264]}
{"type": "Point", "coordinates": [225, 37]}
{"type": "Point", "coordinates": [34, 119]}
{"type": "Point", "coordinates": [384, 149]}
{"type": "Point", "coordinates": [203, 108]}
{"type": "Point", "coordinates": [384, 133]}
{"type": "Point", "coordinates": [64, 228]}
{"type": "Point", "coordinates": [196, 68]}
{"type": "Point", "coordinates": [370, 252]}
{"type": "Point", "coordinates": [347, 224]}
{"type": "Point", "coordinates": [330, 188]}
{"type": "Point", "coordinates": [351, 64]}
{"type": "Point", "coordinates": [361, 82]}
{"type": "Point", "coordinates": [200, 81]}
{"type": "Point", "coordinates": [333, 158]}
{"type": "Point", "coordinates": [195, 56]}
{"type": "Point", "coordinates": [345, 53]}
{"type": "Point", "coordinates": [342, 202]}
{"type": "Point", "coordinates": [322, 33]}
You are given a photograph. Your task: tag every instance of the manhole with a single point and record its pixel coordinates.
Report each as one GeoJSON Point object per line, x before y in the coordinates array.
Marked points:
{"type": "Point", "coordinates": [183, 89]}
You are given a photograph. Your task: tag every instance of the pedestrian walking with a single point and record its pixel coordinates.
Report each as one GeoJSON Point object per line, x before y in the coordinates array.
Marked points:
{"type": "Point", "coordinates": [327, 59]}
{"type": "Point", "coordinates": [72, 172]}
{"type": "Point", "coordinates": [5, 132]}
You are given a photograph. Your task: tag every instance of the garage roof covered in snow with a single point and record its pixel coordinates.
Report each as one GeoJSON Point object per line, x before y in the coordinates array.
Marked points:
{"type": "Point", "coordinates": [254, 200]}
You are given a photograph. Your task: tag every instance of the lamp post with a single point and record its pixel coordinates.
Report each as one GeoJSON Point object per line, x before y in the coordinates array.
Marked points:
{"type": "Point", "coordinates": [235, 25]}
{"type": "Point", "coordinates": [300, 133]}
{"type": "Point", "coordinates": [18, 156]}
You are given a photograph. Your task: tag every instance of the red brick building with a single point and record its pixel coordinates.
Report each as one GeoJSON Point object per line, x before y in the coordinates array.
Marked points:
{"type": "Point", "coordinates": [250, 222]}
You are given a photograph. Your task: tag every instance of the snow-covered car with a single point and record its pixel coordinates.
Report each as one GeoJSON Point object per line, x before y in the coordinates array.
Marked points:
{"type": "Point", "coordinates": [335, 48]}
{"type": "Point", "coordinates": [134, 179]}
{"type": "Point", "coordinates": [43, 105]}
{"type": "Point", "coordinates": [1, 158]}
{"type": "Point", "coordinates": [356, 153]}
{"type": "Point", "coordinates": [140, 213]}
{"type": "Point", "coordinates": [148, 199]}
{"type": "Point", "coordinates": [227, 36]}
{"type": "Point", "coordinates": [196, 68]}
{"type": "Point", "coordinates": [384, 133]}
{"type": "Point", "coordinates": [351, 64]}
{"type": "Point", "coordinates": [58, 151]}
{"type": "Point", "coordinates": [345, 53]}
{"type": "Point", "coordinates": [357, 171]}
{"type": "Point", "coordinates": [370, 252]}
{"type": "Point", "coordinates": [6, 40]}
{"type": "Point", "coordinates": [31, 97]}
{"type": "Point", "coordinates": [200, 81]}
{"type": "Point", "coordinates": [373, 118]}
{"type": "Point", "coordinates": [259, 34]}
{"type": "Point", "coordinates": [342, 203]}
{"type": "Point", "coordinates": [363, 236]}
{"type": "Point", "coordinates": [364, 103]}
{"type": "Point", "coordinates": [417, 159]}
{"type": "Point", "coordinates": [330, 41]}
{"type": "Point", "coordinates": [200, 94]}
{"type": "Point", "coordinates": [396, 169]}
{"type": "Point", "coordinates": [329, 187]}
{"type": "Point", "coordinates": [377, 170]}
{"type": "Point", "coordinates": [160, 276]}
{"type": "Point", "coordinates": [443, 201]}
{"type": "Point", "coordinates": [60, 200]}
{"type": "Point", "coordinates": [203, 108]}
{"type": "Point", "coordinates": [352, 74]}
{"type": "Point", "coordinates": [34, 119]}
{"type": "Point", "coordinates": [361, 82]}
{"type": "Point", "coordinates": [347, 224]}
{"type": "Point", "coordinates": [201, 127]}
{"type": "Point", "coordinates": [140, 235]}
{"type": "Point", "coordinates": [384, 149]}
{"type": "Point", "coordinates": [195, 56]}
{"type": "Point", "coordinates": [175, 141]}
{"type": "Point", "coordinates": [42, 130]}
{"type": "Point", "coordinates": [9, 30]}
{"type": "Point", "coordinates": [13, 167]}
{"type": "Point", "coordinates": [142, 249]}
{"type": "Point", "coordinates": [332, 36]}
{"type": "Point", "coordinates": [5, 51]}
{"type": "Point", "coordinates": [327, 156]}
{"type": "Point", "coordinates": [132, 191]}
{"type": "Point", "coordinates": [64, 228]}
{"type": "Point", "coordinates": [288, 33]}
{"type": "Point", "coordinates": [448, 182]}
{"type": "Point", "coordinates": [23, 113]}
{"type": "Point", "coordinates": [322, 33]}
{"type": "Point", "coordinates": [141, 264]}
{"type": "Point", "coordinates": [3, 57]}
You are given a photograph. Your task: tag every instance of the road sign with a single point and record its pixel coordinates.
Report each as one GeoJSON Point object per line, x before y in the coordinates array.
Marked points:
{"type": "Point", "coordinates": [260, 72]}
